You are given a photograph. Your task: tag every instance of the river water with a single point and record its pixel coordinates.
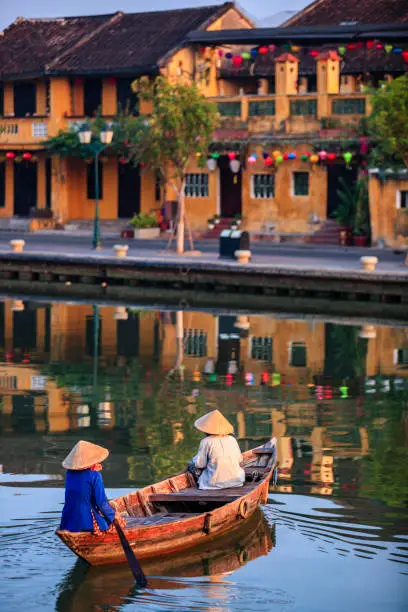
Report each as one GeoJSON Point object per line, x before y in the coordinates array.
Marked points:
{"type": "Point", "coordinates": [334, 533]}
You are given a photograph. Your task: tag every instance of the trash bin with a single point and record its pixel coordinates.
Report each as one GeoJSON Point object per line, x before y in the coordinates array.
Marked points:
{"type": "Point", "coordinates": [231, 241]}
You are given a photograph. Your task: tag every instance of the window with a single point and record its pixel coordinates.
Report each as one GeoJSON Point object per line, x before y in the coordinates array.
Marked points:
{"type": "Point", "coordinates": [298, 355]}
{"type": "Point", "coordinates": [8, 382]}
{"type": "Point", "coordinates": [24, 99]}
{"type": "Point", "coordinates": [195, 342]}
{"type": "Point", "coordinates": [2, 184]}
{"type": "Point", "coordinates": [157, 187]}
{"type": "Point", "coordinates": [126, 99]}
{"type": "Point", "coordinates": [401, 357]}
{"type": "Point", "coordinates": [265, 108]}
{"type": "Point", "coordinates": [39, 129]}
{"type": "Point", "coordinates": [303, 107]}
{"type": "Point", "coordinates": [301, 183]}
{"type": "Point", "coordinates": [349, 106]}
{"type": "Point", "coordinates": [263, 185]}
{"type": "Point", "coordinates": [402, 199]}
{"type": "Point", "coordinates": [229, 109]}
{"type": "Point", "coordinates": [196, 185]}
{"type": "Point", "coordinates": [92, 96]}
{"type": "Point", "coordinates": [262, 349]}
{"type": "Point", "coordinates": [90, 180]}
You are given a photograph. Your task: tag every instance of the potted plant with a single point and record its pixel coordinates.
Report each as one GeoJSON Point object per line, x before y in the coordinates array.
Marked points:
{"type": "Point", "coordinates": [145, 225]}
{"type": "Point", "coordinates": [238, 219]}
{"type": "Point", "coordinates": [216, 219]}
{"type": "Point", "coordinates": [211, 223]}
{"type": "Point", "coordinates": [352, 212]}
{"type": "Point", "coordinates": [234, 225]}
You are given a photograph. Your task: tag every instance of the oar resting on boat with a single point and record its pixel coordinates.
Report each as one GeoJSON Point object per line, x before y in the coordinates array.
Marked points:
{"type": "Point", "coordinates": [175, 514]}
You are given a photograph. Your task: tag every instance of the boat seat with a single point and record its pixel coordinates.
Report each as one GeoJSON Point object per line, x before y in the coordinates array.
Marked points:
{"type": "Point", "coordinates": [156, 519]}
{"type": "Point", "coordinates": [192, 494]}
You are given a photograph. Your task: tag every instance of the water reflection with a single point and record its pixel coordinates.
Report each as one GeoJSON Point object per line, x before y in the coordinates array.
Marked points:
{"type": "Point", "coordinates": [335, 395]}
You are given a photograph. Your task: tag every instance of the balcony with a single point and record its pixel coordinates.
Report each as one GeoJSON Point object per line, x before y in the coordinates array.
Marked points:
{"type": "Point", "coordinates": [28, 131]}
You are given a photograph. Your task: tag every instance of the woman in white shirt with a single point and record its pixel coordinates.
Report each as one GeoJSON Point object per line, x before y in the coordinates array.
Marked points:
{"type": "Point", "coordinates": [219, 456]}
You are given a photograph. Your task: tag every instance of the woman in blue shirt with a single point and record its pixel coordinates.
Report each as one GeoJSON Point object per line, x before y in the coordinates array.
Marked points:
{"type": "Point", "coordinates": [86, 506]}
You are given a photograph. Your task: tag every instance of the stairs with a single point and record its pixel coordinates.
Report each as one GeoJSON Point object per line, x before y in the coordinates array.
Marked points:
{"type": "Point", "coordinates": [327, 234]}
{"type": "Point", "coordinates": [214, 234]}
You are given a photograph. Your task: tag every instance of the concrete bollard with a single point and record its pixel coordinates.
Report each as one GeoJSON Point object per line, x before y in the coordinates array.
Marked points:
{"type": "Point", "coordinates": [121, 314]}
{"type": "Point", "coordinates": [369, 263]}
{"type": "Point", "coordinates": [367, 332]}
{"type": "Point", "coordinates": [243, 256]}
{"type": "Point", "coordinates": [17, 245]}
{"type": "Point", "coordinates": [17, 305]}
{"type": "Point", "coordinates": [121, 250]}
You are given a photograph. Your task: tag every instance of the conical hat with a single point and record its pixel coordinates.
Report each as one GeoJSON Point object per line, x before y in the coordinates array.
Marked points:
{"type": "Point", "coordinates": [84, 455]}
{"type": "Point", "coordinates": [214, 423]}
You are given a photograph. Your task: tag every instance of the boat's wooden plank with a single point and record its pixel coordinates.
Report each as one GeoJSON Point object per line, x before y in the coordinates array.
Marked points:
{"type": "Point", "coordinates": [264, 451]}
{"type": "Point", "coordinates": [157, 519]}
{"type": "Point", "coordinates": [192, 494]}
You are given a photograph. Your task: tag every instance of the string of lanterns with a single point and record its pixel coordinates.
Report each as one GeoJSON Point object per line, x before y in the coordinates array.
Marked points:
{"type": "Point", "coordinates": [276, 158]}
{"type": "Point", "coordinates": [238, 59]}
{"type": "Point", "coordinates": [26, 156]}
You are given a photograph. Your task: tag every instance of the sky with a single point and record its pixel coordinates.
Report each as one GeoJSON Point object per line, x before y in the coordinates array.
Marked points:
{"type": "Point", "coordinates": [10, 9]}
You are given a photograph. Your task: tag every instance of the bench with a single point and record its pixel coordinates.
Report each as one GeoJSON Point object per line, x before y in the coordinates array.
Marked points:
{"type": "Point", "coordinates": [202, 495]}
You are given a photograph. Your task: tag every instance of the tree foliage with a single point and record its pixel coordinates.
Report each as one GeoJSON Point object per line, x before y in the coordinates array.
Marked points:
{"type": "Point", "coordinates": [388, 124]}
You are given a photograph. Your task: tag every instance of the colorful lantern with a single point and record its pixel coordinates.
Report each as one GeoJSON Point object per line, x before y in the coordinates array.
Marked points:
{"type": "Point", "coordinates": [254, 52]}
{"type": "Point", "coordinates": [220, 52]}
{"type": "Point", "coordinates": [265, 377]}
{"type": "Point", "coordinates": [379, 46]}
{"type": "Point", "coordinates": [276, 154]}
{"type": "Point", "coordinates": [276, 379]}
{"type": "Point", "coordinates": [228, 55]}
{"type": "Point", "coordinates": [341, 50]}
{"type": "Point", "coordinates": [405, 56]}
{"type": "Point", "coordinates": [215, 155]}
{"type": "Point", "coordinates": [279, 159]}
{"type": "Point", "coordinates": [286, 156]}
{"type": "Point", "coordinates": [235, 165]}
{"type": "Point", "coordinates": [314, 158]}
{"type": "Point", "coordinates": [246, 55]}
{"type": "Point", "coordinates": [304, 157]}
{"type": "Point", "coordinates": [360, 44]}
{"type": "Point", "coordinates": [351, 46]}
{"type": "Point", "coordinates": [231, 155]}
{"type": "Point", "coordinates": [212, 377]}
{"type": "Point", "coordinates": [347, 157]}
{"type": "Point", "coordinates": [237, 61]}
{"type": "Point", "coordinates": [10, 155]}
{"type": "Point", "coordinates": [263, 50]}
{"type": "Point", "coordinates": [344, 391]}
{"type": "Point", "coordinates": [272, 48]}
{"type": "Point", "coordinates": [251, 159]}
{"type": "Point", "coordinates": [370, 44]}
{"type": "Point", "coordinates": [265, 154]}
{"type": "Point", "coordinates": [331, 157]}
{"type": "Point", "coordinates": [397, 50]}
{"type": "Point", "coordinates": [295, 49]}
{"type": "Point", "coordinates": [27, 156]}
{"type": "Point", "coordinates": [268, 161]}
{"type": "Point", "coordinates": [292, 155]}
{"type": "Point", "coordinates": [228, 380]}
{"type": "Point", "coordinates": [388, 48]}
{"type": "Point", "coordinates": [314, 53]}
{"type": "Point", "coordinates": [203, 49]}
{"type": "Point", "coordinates": [211, 164]}
{"type": "Point", "coordinates": [322, 155]}
{"type": "Point", "coordinates": [122, 160]}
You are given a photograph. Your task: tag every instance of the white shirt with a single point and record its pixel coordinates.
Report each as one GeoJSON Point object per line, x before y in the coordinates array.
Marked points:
{"type": "Point", "coordinates": [220, 458]}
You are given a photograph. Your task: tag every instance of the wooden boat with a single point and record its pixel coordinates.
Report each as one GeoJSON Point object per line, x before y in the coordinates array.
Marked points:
{"type": "Point", "coordinates": [108, 587]}
{"type": "Point", "coordinates": [174, 514]}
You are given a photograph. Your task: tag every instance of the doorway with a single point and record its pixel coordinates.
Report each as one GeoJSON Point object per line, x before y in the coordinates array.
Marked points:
{"type": "Point", "coordinates": [229, 344]}
{"type": "Point", "coordinates": [129, 191]}
{"type": "Point", "coordinates": [25, 188]}
{"type": "Point", "coordinates": [230, 189]}
{"type": "Point", "coordinates": [336, 172]}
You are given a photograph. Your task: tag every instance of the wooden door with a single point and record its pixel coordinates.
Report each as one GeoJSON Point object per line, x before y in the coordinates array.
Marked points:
{"type": "Point", "coordinates": [129, 191]}
{"type": "Point", "coordinates": [230, 189]}
{"type": "Point", "coordinates": [25, 188]}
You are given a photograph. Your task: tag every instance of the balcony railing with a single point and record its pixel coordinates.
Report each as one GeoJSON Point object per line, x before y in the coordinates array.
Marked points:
{"type": "Point", "coordinates": [27, 131]}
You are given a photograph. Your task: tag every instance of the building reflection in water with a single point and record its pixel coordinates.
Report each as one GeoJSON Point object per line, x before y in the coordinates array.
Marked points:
{"type": "Point", "coordinates": [138, 378]}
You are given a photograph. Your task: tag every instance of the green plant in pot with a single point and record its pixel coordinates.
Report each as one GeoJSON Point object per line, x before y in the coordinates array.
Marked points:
{"type": "Point", "coordinates": [144, 221]}
{"type": "Point", "coordinates": [352, 211]}
{"type": "Point", "coordinates": [211, 223]}
{"type": "Point", "coordinates": [237, 220]}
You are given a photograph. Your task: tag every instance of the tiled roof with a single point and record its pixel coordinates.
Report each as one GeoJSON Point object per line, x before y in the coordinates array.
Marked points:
{"type": "Point", "coordinates": [98, 44]}
{"type": "Point", "coordinates": [339, 12]}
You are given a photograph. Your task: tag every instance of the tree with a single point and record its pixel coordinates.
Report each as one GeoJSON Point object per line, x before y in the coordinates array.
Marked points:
{"type": "Point", "coordinates": [388, 123]}
{"type": "Point", "coordinates": [179, 128]}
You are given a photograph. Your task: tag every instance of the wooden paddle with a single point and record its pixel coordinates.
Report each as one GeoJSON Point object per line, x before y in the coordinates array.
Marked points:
{"type": "Point", "coordinates": [134, 564]}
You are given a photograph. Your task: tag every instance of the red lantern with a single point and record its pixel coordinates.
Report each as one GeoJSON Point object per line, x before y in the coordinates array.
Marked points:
{"type": "Point", "coordinates": [405, 56]}
{"type": "Point", "coordinates": [263, 50]}
{"type": "Point", "coordinates": [314, 53]}
{"type": "Point", "coordinates": [351, 46]}
{"type": "Point", "coordinates": [27, 156]}
{"type": "Point", "coordinates": [220, 52]}
{"type": "Point", "coordinates": [331, 157]}
{"type": "Point", "coordinates": [272, 48]}
{"type": "Point", "coordinates": [231, 156]}
{"type": "Point", "coordinates": [360, 44]}
{"type": "Point", "coordinates": [122, 160]}
{"type": "Point", "coordinates": [112, 80]}
{"type": "Point", "coordinates": [237, 61]}
{"type": "Point", "coordinates": [370, 44]}
{"type": "Point", "coordinates": [286, 157]}
{"type": "Point", "coordinates": [203, 49]}
{"type": "Point", "coordinates": [379, 46]}
{"type": "Point", "coordinates": [10, 155]}
{"type": "Point", "coordinates": [268, 161]}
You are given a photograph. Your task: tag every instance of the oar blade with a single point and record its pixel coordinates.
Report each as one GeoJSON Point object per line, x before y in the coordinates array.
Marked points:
{"type": "Point", "coordinates": [134, 564]}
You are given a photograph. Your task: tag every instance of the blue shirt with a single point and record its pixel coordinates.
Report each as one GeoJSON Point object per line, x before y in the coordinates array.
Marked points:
{"type": "Point", "coordinates": [85, 495]}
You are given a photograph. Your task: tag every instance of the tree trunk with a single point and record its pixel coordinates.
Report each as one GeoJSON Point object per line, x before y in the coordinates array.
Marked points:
{"type": "Point", "coordinates": [181, 216]}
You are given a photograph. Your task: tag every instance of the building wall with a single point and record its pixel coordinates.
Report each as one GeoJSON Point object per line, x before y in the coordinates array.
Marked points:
{"type": "Point", "coordinates": [385, 215]}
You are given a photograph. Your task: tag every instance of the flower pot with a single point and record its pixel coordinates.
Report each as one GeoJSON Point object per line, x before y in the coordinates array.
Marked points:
{"type": "Point", "coordinates": [147, 232]}
{"type": "Point", "coordinates": [127, 233]}
{"type": "Point", "coordinates": [234, 226]}
{"type": "Point", "coordinates": [360, 241]}
{"type": "Point", "coordinates": [216, 221]}
{"type": "Point", "coordinates": [211, 226]}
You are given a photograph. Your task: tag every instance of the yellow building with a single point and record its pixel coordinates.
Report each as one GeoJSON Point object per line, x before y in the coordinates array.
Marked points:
{"type": "Point", "coordinates": [55, 73]}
